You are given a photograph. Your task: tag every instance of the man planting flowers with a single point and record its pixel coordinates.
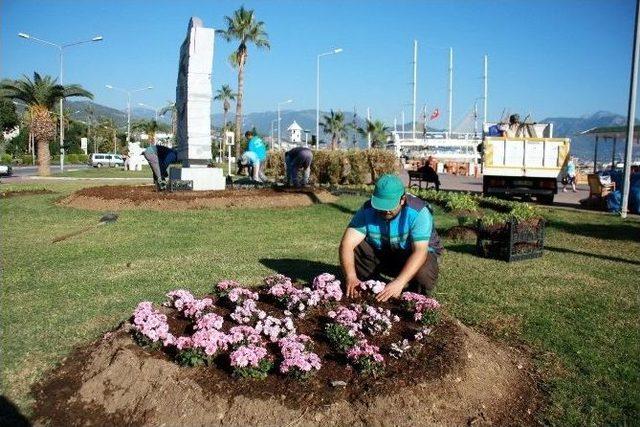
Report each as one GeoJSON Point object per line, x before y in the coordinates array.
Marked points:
{"type": "Point", "coordinates": [391, 234]}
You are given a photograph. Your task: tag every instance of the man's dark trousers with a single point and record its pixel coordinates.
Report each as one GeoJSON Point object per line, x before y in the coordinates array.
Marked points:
{"type": "Point", "coordinates": [371, 263]}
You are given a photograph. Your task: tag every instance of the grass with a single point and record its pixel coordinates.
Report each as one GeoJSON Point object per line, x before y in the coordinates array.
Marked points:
{"type": "Point", "coordinates": [106, 172]}
{"type": "Point", "coordinates": [576, 308]}
{"type": "Point", "coordinates": [118, 172]}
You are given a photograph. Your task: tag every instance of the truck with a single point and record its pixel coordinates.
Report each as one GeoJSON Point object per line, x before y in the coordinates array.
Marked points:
{"type": "Point", "coordinates": [524, 165]}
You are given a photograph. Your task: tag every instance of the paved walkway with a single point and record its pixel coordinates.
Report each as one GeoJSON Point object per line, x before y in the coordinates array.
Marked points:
{"type": "Point", "coordinates": [568, 200]}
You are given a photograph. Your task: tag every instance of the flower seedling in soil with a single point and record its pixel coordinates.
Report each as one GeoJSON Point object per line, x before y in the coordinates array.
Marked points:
{"type": "Point", "coordinates": [251, 361]}
{"type": "Point", "coordinates": [341, 337]}
{"type": "Point", "coordinates": [366, 358]}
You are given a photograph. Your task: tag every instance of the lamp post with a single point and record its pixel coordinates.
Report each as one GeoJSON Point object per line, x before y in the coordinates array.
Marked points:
{"type": "Point", "coordinates": [334, 51]}
{"type": "Point", "coordinates": [61, 48]}
{"type": "Point", "coordinates": [155, 110]}
{"type": "Point", "coordinates": [128, 92]}
{"type": "Point", "coordinates": [273, 122]}
{"type": "Point", "coordinates": [288, 101]}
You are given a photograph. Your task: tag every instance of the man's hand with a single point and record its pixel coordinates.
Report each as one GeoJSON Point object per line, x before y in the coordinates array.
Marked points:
{"type": "Point", "coordinates": [392, 290]}
{"type": "Point", "coordinates": [353, 287]}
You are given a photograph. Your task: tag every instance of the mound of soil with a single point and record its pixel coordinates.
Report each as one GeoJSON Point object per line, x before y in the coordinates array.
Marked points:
{"type": "Point", "coordinates": [7, 194]}
{"type": "Point", "coordinates": [114, 198]}
{"type": "Point", "coordinates": [458, 377]}
{"type": "Point", "coordinates": [460, 233]}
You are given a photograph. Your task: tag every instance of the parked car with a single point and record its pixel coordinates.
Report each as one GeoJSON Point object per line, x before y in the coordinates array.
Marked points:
{"type": "Point", "coordinates": [99, 160]}
{"type": "Point", "coordinates": [6, 170]}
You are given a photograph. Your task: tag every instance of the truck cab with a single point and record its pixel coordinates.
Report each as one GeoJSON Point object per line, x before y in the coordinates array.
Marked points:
{"type": "Point", "coordinates": [527, 164]}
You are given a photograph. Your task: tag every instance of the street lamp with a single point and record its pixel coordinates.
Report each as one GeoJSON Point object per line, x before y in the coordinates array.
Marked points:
{"type": "Point", "coordinates": [60, 48]}
{"type": "Point", "coordinates": [128, 92]}
{"type": "Point", "coordinates": [151, 107]}
{"type": "Point", "coordinates": [288, 101]}
{"type": "Point", "coordinates": [273, 122]}
{"type": "Point", "coordinates": [334, 51]}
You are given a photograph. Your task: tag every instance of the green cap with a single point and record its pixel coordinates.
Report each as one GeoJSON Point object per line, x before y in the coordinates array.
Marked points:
{"type": "Point", "coordinates": [387, 193]}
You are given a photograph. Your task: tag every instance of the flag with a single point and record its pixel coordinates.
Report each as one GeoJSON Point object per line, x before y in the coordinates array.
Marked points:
{"type": "Point", "coordinates": [435, 114]}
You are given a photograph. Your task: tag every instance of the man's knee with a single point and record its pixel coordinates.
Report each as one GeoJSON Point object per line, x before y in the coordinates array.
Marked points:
{"type": "Point", "coordinates": [425, 280]}
{"type": "Point", "coordinates": [366, 260]}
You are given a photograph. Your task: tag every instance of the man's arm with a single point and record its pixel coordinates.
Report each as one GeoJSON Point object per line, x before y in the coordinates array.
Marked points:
{"type": "Point", "coordinates": [416, 260]}
{"type": "Point", "coordinates": [350, 240]}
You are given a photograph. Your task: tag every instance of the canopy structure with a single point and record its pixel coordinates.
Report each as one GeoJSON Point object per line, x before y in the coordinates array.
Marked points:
{"type": "Point", "coordinates": [614, 133]}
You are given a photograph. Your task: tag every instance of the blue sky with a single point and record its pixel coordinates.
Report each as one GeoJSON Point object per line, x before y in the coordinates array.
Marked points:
{"type": "Point", "coordinates": [548, 58]}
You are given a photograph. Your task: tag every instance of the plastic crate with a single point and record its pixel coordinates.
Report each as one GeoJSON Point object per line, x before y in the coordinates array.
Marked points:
{"type": "Point", "coordinates": [514, 242]}
{"type": "Point", "coordinates": [180, 185]}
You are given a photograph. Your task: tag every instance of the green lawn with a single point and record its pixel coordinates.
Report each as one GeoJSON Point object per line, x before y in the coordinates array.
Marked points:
{"type": "Point", "coordinates": [105, 172]}
{"type": "Point", "coordinates": [577, 308]}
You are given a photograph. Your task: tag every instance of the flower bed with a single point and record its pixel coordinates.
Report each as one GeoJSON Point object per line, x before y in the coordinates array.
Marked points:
{"type": "Point", "coordinates": [277, 329]}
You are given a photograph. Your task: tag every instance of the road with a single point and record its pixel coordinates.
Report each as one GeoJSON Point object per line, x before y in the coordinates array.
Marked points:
{"type": "Point", "coordinates": [23, 171]}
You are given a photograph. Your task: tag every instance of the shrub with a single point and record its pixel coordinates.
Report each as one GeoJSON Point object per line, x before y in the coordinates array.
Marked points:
{"type": "Point", "coordinates": [72, 158]}
{"type": "Point", "coordinates": [340, 167]}
{"type": "Point", "coordinates": [26, 159]}
{"type": "Point", "coordinates": [5, 159]}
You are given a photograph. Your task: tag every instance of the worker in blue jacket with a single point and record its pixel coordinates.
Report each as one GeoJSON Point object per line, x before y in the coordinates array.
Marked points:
{"type": "Point", "coordinates": [257, 146]}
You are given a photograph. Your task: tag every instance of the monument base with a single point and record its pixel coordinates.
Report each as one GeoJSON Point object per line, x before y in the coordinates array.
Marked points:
{"type": "Point", "coordinates": [203, 178]}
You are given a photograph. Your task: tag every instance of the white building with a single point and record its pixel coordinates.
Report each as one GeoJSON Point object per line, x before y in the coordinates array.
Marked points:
{"type": "Point", "coordinates": [295, 132]}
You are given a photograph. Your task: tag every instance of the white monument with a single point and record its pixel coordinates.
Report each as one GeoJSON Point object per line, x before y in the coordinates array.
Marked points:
{"type": "Point", "coordinates": [295, 132]}
{"type": "Point", "coordinates": [135, 159]}
{"type": "Point", "coordinates": [193, 105]}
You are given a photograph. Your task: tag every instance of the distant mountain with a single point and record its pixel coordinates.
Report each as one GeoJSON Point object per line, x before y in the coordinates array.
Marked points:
{"type": "Point", "coordinates": [80, 110]}
{"type": "Point", "coordinates": [569, 126]}
{"type": "Point", "coordinates": [563, 126]}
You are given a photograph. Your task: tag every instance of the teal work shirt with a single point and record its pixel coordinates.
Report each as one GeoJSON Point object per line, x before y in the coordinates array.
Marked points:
{"type": "Point", "coordinates": [256, 145]}
{"type": "Point", "coordinates": [414, 223]}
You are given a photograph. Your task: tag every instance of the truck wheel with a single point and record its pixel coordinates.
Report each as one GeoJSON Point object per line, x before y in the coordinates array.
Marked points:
{"type": "Point", "coordinates": [99, 165]}
{"type": "Point", "coordinates": [546, 199]}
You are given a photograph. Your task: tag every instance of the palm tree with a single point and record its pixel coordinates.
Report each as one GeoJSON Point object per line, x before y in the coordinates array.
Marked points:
{"type": "Point", "coordinates": [174, 118]}
{"type": "Point", "coordinates": [150, 127]}
{"type": "Point", "coordinates": [225, 94]}
{"type": "Point", "coordinates": [377, 130]}
{"type": "Point", "coordinates": [244, 27]}
{"type": "Point", "coordinates": [41, 95]}
{"type": "Point", "coordinates": [334, 124]}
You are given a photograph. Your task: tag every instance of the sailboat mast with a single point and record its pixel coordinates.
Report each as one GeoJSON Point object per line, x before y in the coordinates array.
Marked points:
{"type": "Point", "coordinates": [415, 76]}
{"type": "Point", "coordinates": [486, 76]}
{"type": "Point", "coordinates": [450, 86]}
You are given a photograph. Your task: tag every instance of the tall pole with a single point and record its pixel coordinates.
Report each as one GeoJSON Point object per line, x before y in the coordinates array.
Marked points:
{"type": "Point", "coordinates": [450, 87]}
{"type": "Point", "coordinates": [61, 50]}
{"type": "Point", "coordinates": [403, 123]}
{"type": "Point", "coordinates": [632, 117]}
{"type": "Point", "coordinates": [317, 102]}
{"type": "Point", "coordinates": [128, 117]}
{"type": "Point", "coordinates": [486, 71]}
{"type": "Point", "coordinates": [415, 76]}
{"type": "Point", "coordinates": [334, 51]}
{"type": "Point", "coordinates": [61, 116]}
{"type": "Point", "coordinates": [368, 133]}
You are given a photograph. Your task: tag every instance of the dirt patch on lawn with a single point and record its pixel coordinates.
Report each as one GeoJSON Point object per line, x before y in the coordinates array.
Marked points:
{"type": "Point", "coordinates": [115, 198]}
{"type": "Point", "coordinates": [8, 194]}
{"type": "Point", "coordinates": [458, 377]}
{"type": "Point", "coordinates": [461, 233]}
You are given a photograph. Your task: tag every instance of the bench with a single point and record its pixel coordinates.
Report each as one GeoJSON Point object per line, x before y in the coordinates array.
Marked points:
{"type": "Point", "coordinates": [598, 189]}
{"type": "Point", "coordinates": [418, 177]}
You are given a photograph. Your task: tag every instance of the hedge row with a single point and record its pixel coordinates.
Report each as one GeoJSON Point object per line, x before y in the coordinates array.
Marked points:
{"type": "Point", "coordinates": [340, 167]}
{"type": "Point", "coordinates": [27, 159]}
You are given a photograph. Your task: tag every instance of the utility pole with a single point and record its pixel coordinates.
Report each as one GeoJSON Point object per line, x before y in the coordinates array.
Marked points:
{"type": "Point", "coordinates": [450, 87]}
{"type": "Point", "coordinates": [415, 77]}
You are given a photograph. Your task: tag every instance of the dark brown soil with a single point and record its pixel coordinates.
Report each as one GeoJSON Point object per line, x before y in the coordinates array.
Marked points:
{"type": "Point", "coordinates": [116, 198]}
{"type": "Point", "coordinates": [7, 194]}
{"type": "Point", "coordinates": [459, 377]}
{"type": "Point", "coordinates": [460, 233]}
